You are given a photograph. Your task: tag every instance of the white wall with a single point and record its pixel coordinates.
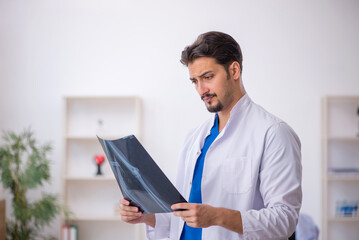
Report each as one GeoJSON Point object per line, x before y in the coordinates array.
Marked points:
{"type": "Point", "coordinates": [295, 52]}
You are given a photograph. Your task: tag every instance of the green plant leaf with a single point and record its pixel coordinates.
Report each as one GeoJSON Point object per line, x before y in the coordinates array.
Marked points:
{"type": "Point", "coordinates": [5, 169]}
{"type": "Point", "coordinates": [25, 165]}
{"type": "Point", "coordinates": [45, 210]}
{"type": "Point", "coordinates": [37, 170]}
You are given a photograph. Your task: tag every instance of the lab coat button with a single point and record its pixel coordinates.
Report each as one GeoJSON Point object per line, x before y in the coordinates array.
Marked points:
{"type": "Point", "coordinates": [190, 183]}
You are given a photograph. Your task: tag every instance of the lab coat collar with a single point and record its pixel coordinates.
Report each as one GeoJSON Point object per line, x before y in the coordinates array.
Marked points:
{"type": "Point", "coordinates": [240, 106]}
{"type": "Point", "coordinates": [237, 109]}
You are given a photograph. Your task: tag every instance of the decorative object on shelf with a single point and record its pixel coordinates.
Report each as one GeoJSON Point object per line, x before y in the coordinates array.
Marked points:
{"type": "Point", "coordinates": [69, 232]}
{"type": "Point", "coordinates": [24, 165]}
{"type": "Point", "coordinates": [346, 208]}
{"type": "Point", "coordinates": [99, 160]}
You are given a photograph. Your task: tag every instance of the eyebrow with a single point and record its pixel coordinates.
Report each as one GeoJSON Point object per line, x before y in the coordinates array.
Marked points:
{"type": "Point", "coordinates": [201, 75]}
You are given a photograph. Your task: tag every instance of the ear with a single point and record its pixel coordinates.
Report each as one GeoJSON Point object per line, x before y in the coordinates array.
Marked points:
{"type": "Point", "coordinates": [235, 70]}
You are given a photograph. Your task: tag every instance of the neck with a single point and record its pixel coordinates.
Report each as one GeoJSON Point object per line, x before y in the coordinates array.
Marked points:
{"type": "Point", "coordinates": [224, 115]}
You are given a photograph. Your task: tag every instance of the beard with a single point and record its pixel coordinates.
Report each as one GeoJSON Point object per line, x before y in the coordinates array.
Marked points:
{"type": "Point", "coordinates": [213, 108]}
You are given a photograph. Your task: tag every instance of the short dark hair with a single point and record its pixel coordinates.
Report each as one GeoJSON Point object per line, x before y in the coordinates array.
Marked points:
{"type": "Point", "coordinates": [221, 46]}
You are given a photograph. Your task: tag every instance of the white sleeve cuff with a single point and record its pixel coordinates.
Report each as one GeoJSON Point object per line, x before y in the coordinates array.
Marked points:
{"type": "Point", "coordinates": [162, 228]}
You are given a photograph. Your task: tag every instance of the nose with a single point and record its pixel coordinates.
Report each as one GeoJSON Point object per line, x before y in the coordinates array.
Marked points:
{"type": "Point", "coordinates": [201, 88]}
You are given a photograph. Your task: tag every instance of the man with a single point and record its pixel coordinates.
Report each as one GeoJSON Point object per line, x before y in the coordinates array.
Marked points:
{"type": "Point", "coordinates": [240, 170]}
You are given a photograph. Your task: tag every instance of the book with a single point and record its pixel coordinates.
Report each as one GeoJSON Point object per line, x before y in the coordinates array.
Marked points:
{"type": "Point", "coordinates": [65, 232]}
{"type": "Point", "coordinates": [73, 232]}
{"type": "Point", "coordinates": [69, 232]}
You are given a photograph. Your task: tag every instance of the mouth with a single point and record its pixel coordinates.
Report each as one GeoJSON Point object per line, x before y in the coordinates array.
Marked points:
{"type": "Point", "coordinates": [208, 97]}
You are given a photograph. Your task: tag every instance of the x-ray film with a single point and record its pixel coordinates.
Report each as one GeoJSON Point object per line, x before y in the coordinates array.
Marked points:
{"type": "Point", "coordinates": [141, 181]}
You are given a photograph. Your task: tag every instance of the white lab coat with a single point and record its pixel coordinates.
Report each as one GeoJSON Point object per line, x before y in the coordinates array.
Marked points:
{"type": "Point", "coordinates": [253, 166]}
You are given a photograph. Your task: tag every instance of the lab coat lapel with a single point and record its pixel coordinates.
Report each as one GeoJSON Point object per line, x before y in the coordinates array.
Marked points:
{"type": "Point", "coordinates": [194, 153]}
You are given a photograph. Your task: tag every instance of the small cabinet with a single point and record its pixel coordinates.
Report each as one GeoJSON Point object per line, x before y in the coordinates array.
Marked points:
{"type": "Point", "coordinates": [93, 198]}
{"type": "Point", "coordinates": [340, 166]}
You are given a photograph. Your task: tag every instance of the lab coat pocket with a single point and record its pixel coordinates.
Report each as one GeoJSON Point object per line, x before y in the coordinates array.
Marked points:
{"type": "Point", "coordinates": [237, 174]}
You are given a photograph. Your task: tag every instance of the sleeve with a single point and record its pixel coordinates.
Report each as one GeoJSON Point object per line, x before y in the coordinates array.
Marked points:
{"type": "Point", "coordinates": [280, 179]}
{"type": "Point", "coordinates": [162, 228]}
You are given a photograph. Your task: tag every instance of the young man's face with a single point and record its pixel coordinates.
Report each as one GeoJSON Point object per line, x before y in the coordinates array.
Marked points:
{"type": "Point", "coordinates": [212, 82]}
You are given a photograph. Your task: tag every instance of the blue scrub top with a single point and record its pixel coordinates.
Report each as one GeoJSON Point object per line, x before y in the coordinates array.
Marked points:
{"type": "Point", "coordinates": [190, 233]}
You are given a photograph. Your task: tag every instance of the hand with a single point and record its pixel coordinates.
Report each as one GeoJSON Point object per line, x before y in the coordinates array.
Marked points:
{"type": "Point", "coordinates": [131, 214]}
{"type": "Point", "coordinates": [196, 215]}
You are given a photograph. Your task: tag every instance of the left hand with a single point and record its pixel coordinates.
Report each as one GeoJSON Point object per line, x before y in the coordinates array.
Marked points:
{"type": "Point", "coordinates": [196, 215]}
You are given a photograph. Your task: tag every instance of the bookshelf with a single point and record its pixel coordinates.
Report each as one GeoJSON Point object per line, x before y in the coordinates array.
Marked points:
{"type": "Point", "coordinates": [340, 166]}
{"type": "Point", "coordinates": [93, 198]}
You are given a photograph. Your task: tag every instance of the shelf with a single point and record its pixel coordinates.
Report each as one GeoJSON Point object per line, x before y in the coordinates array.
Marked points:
{"type": "Point", "coordinates": [94, 179]}
{"type": "Point", "coordinates": [86, 138]}
{"type": "Point", "coordinates": [91, 98]}
{"type": "Point", "coordinates": [340, 160]}
{"type": "Point", "coordinates": [95, 218]}
{"type": "Point", "coordinates": [343, 138]}
{"type": "Point", "coordinates": [344, 219]}
{"type": "Point", "coordinates": [343, 98]}
{"type": "Point", "coordinates": [343, 177]}
{"type": "Point", "coordinates": [94, 199]}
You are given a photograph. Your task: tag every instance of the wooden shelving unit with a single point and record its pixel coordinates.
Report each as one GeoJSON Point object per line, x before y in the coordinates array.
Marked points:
{"type": "Point", "coordinates": [92, 198]}
{"type": "Point", "coordinates": [340, 150]}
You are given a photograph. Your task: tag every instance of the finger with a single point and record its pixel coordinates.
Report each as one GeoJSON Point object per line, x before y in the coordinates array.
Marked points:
{"type": "Point", "coordinates": [129, 208]}
{"type": "Point", "coordinates": [192, 224]}
{"type": "Point", "coordinates": [180, 206]}
{"type": "Point", "coordinates": [182, 213]}
{"type": "Point", "coordinates": [130, 213]}
{"type": "Point", "coordinates": [187, 220]}
{"type": "Point", "coordinates": [129, 218]}
{"type": "Point", "coordinates": [124, 202]}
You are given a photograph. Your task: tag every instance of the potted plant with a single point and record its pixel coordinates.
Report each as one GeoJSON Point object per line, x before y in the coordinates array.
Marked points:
{"type": "Point", "coordinates": [24, 165]}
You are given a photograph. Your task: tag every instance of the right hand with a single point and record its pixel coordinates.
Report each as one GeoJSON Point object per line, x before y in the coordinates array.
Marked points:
{"type": "Point", "coordinates": [131, 214]}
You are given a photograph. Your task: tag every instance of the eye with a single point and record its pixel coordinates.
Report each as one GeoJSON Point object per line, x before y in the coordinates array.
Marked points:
{"type": "Point", "coordinates": [194, 81]}
{"type": "Point", "coordinates": [209, 77]}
